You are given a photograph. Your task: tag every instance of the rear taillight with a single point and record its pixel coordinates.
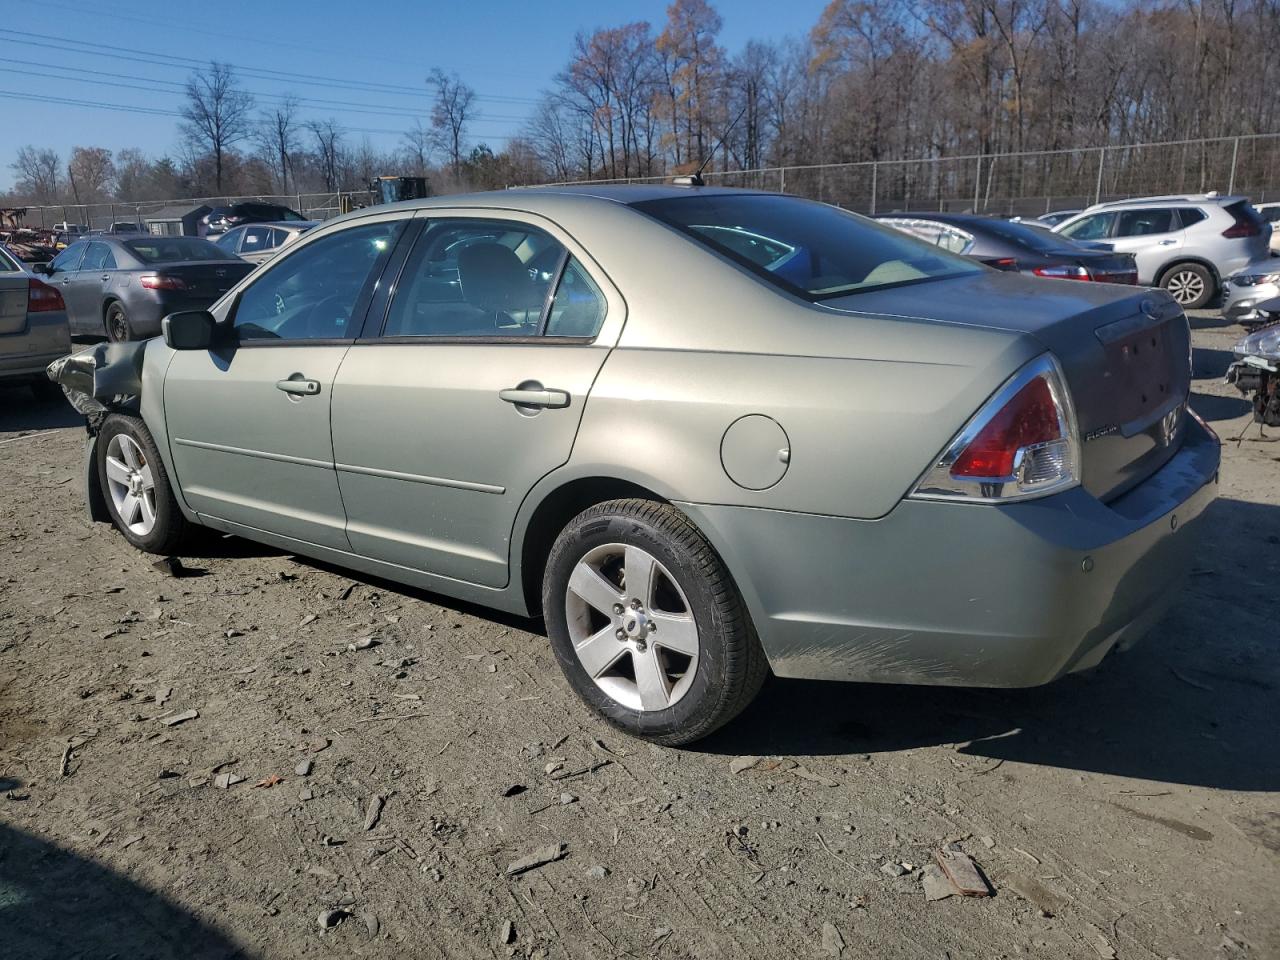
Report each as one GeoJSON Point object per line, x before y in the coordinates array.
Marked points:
{"type": "Point", "coordinates": [42, 298]}
{"type": "Point", "coordinates": [158, 281]}
{"type": "Point", "coordinates": [1241, 230]}
{"type": "Point", "coordinates": [1002, 263]}
{"type": "Point", "coordinates": [1023, 443]}
{"type": "Point", "coordinates": [1063, 272]}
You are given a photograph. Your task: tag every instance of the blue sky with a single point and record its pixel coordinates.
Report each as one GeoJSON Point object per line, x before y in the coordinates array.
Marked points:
{"type": "Point", "coordinates": [134, 53]}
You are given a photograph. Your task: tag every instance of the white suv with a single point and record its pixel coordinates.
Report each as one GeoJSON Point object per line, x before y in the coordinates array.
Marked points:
{"type": "Point", "coordinates": [1185, 244]}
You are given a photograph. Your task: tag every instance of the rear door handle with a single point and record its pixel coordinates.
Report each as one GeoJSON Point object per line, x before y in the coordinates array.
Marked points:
{"type": "Point", "coordinates": [535, 396]}
{"type": "Point", "coordinates": [299, 386]}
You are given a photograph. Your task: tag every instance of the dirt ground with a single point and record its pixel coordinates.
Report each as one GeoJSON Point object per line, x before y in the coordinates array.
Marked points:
{"type": "Point", "coordinates": [1130, 812]}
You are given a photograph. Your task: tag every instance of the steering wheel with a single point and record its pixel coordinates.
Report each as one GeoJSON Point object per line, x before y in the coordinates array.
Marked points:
{"type": "Point", "coordinates": [319, 319]}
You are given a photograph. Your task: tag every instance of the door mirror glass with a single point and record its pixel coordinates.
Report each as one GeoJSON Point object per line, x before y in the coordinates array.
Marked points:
{"type": "Point", "coordinates": [189, 330]}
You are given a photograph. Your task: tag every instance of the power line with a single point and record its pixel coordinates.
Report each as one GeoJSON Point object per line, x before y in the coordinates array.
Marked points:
{"type": "Point", "coordinates": [173, 61]}
{"type": "Point", "coordinates": [341, 106]}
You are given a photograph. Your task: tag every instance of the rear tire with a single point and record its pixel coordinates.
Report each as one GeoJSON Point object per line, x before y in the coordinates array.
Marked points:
{"type": "Point", "coordinates": [668, 657]}
{"type": "Point", "coordinates": [1191, 284]}
{"type": "Point", "coordinates": [117, 324]}
{"type": "Point", "coordinates": [136, 487]}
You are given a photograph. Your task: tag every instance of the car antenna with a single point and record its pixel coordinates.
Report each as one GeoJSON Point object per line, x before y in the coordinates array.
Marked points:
{"type": "Point", "coordinates": [695, 179]}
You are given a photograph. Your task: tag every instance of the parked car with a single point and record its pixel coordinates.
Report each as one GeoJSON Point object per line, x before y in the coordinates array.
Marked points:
{"type": "Point", "coordinates": [259, 242]}
{"type": "Point", "coordinates": [33, 327]}
{"type": "Point", "coordinates": [704, 432]}
{"type": "Point", "coordinates": [1020, 247]}
{"type": "Point", "coordinates": [1056, 217]}
{"type": "Point", "coordinates": [222, 219]}
{"type": "Point", "coordinates": [65, 234]}
{"type": "Point", "coordinates": [122, 287]}
{"type": "Point", "coordinates": [122, 227]}
{"type": "Point", "coordinates": [1270, 212]}
{"type": "Point", "coordinates": [1185, 244]}
{"type": "Point", "coordinates": [1243, 291]}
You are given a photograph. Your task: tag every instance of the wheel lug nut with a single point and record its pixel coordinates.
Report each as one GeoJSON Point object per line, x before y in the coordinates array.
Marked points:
{"type": "Point", "coordinates": [621, 634]}
{"type": "Point", "coordinates": [618, 608]}
{"type": "Point", "coordinates": [635, 604]}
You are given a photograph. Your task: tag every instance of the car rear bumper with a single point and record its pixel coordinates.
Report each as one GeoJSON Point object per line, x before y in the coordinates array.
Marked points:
{"type": "Point", "coordinates": [28, 366]}
{"type": "Point", "coordinates": [964, 594]}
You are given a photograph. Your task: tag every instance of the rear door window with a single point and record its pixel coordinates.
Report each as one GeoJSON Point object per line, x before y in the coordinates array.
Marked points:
{"type": "Point", "coordinates": [255, 239]}
{"type": "Point", "coordinates": [1190, 215]}
{"type": "Point", "coordinates": [475, 279]}
{"type": "Point", "coordinates": [95, 257]}
{"type": "Point", "coordinates": [1143, 223]}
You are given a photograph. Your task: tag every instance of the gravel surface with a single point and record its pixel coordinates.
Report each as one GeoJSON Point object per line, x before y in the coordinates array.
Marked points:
{"type": "Point", "coordinates": [216, 766]}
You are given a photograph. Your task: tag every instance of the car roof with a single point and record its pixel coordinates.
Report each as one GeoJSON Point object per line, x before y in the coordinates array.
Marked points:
{"type": "Point", "coordinates": [281, 224]}
{"type": "Point", "coordinates": [552, 196]}
{"type": "Point", "coordinates": [1172, 200]}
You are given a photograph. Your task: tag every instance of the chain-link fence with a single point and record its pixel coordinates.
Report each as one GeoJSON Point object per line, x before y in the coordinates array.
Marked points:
{"type": "Point", "coordinates": [100, 216]}
{"type": "Point", "coordinates": [1027, 184]}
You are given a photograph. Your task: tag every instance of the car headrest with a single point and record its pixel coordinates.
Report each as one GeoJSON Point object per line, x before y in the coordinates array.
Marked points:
{"type": "Point", "coordinates": [493, 278]}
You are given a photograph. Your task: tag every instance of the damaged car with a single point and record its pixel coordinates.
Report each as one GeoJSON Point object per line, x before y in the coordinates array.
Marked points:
{"type": "Point", "coordinates": [1256, 369]}
{"type": "Point", "coordinates": [705, 434]}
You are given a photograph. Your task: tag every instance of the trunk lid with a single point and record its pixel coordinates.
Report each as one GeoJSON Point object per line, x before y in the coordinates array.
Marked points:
{"type": "Point", "coordinates": [1125, 353]}
{"type": "Point", "coordinates": [204, 280]}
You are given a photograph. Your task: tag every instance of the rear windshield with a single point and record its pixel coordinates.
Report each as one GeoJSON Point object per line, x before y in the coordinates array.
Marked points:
{"type": "Point", "coordinates": [175, 250]}
{"type": "Point", "coordinates": [1037, 238]}
{"type": "Point", "coordinates": [806, 248]}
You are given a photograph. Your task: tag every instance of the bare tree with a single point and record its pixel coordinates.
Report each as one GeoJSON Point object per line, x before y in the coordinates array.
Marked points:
{"type": "Point", "coordinates": [38, 172]}
{"type": "Point", "coordinates": [328, 135]}
{"type": "Point", "coordinates": [451, 113]}
{"type": "Point", "coordinates": [277, 137]}
{"type": "Point", "coordinates": [91, 174]}
{"type": "Point", "coordinates": [418, 143]}
{"type": "Point", "coordinates": [217, 114]}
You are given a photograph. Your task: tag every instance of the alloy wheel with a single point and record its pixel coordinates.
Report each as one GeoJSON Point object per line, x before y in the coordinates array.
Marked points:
{"type": "Point", "coordinates": [131, 484]}
{"type": "Point", "coordinates": [632, 627]}
{"type": "Point", "coordinates": [1185, 286]}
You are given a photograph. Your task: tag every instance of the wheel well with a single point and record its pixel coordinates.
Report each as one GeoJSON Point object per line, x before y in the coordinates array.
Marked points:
{"type": "Point", "coordinates": [554, 513]}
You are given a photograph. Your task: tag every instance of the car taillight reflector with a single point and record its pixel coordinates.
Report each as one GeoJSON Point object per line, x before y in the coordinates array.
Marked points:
{"type": "Point", "coordinates": [1063, 272]}
{"type": "Point", "coordinates": [42, 298]}
{"type": "Point", "coordinates": [1023, 443]}
{"type": "Point", "coordinates": [155, 281]}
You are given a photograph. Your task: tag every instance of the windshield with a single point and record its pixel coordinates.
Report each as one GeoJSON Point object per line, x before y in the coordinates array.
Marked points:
{"type": "Point", "coordinates": [175, 250]}
{"type": "Point", "coordinates": [810, 249]}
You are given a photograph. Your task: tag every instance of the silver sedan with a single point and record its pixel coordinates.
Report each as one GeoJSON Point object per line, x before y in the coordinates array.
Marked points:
{"type": "Point", "coordinates": [706, 434]}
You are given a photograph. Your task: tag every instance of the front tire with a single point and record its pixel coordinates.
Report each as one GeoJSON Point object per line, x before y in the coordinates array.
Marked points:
{"type": "Point", "coordinates": [1190, 284]}
{"type": "Point", "coordinates": [647, 624]}
{"type": "Point", "coordinates": [117, 322]}
{"type": "Point", "coordinates": [136, 486]}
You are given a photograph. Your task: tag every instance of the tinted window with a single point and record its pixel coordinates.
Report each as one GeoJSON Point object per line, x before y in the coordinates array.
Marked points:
{"type": "Point", "coordinates": [1142, 223]}
{"type": "Point", "coordinates": [579, 306]}
{"type": "Point", "coordinates": [1189, 215]}
{"type": "Point", "coordinates": [826, 252]}
{"type": "Point", "coordinates": [1270, 214]}
{"type": "Point", "coordinates": [279, 237]}
{"type": "Point", "coordinates": [288, 216]}
{"type": "Point", "coordinates": [255, 239]}
{"type": "Point", "coordinates": [7, 263]}
{"type": "Point", "coordinates": [312, 294]}
{"type": "Point", "coordinates": [174, 249]}
{"type": "Point", "coordinates": [69, 259]}
{"type": "Point", "coordinates": [1095, 227]}
{"type": "Point", "coordinates": [95, 257]}
{"type": "Point", "coordinates": [475, 278]}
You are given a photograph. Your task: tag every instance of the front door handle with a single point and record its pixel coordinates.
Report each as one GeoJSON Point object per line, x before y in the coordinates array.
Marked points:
{"type": "Point", "coordinates": [535, 395]}
{"type": "Point", "coordinates": [298, 386]}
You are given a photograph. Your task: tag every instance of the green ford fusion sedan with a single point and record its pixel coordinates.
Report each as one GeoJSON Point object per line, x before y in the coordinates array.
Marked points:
{"type": "Point", "coordinates": [704, 433]}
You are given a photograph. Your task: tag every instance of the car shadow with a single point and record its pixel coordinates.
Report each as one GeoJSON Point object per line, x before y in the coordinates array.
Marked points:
{"type": "Point", "coordinates": [1193, 703]}
{"type": "Point", "coordinates": [55, 904]}
{"type": "Point", "coordinates": [1210, 363]}
{"type": "Point", "coordinates": [1215, 322]}
{"type": "Point", "coordinates": [21, 410]}
{"type": "Point", "coordinates": [1214, 408]}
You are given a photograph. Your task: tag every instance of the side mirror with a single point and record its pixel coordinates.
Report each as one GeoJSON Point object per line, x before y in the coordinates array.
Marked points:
{"type": "Point", "coordinates": [43, 268]}
{"type": "Point", "coordinates": [189, 330]}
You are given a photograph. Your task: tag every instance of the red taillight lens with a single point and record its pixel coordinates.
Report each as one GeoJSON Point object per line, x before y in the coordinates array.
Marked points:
{"type": "Point", "coordinates": [1241, 230]}
{"type": "Point", "coordinates": [157, 281]}
{"type": "Point", "coordinates": [1023, 443]}
{"type": "Point", "coordinates": [1002, 263]}
{"type": "Point", "coordinates": [1063, 272]}
{"type": "Point", "coordinates": [42, 298]}
{"type": "Point", "coordinates": [1031, 417]}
